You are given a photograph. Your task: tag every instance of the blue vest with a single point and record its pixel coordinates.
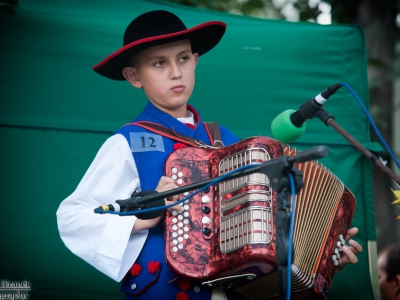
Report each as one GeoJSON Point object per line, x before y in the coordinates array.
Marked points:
{"type": "Point", "coordinates": [150, 152]}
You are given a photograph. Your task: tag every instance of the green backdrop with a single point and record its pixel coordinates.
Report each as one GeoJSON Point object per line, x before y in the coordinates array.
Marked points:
{"type": "Point", "coordinates": [55, 113]}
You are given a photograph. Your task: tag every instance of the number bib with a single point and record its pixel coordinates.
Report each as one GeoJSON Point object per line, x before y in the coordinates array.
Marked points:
{"type": "Point", "coordinates": [144, 142]}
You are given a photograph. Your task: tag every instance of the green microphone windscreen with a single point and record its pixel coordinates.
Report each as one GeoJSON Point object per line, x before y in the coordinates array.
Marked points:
{"type": "Point", "coordinates": [283, 129]}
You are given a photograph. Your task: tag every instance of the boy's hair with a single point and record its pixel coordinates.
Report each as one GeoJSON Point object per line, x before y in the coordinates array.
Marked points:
{"type": "Point", "coordinates": [156, 28]}
{"type": "Point", "coordinates": [392, 265]}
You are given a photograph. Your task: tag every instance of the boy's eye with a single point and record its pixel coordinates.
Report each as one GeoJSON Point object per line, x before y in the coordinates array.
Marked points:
{"type": "Point", "coordinates": [184, 58]}
{"type": "Point", "coordinates": [159, 63]}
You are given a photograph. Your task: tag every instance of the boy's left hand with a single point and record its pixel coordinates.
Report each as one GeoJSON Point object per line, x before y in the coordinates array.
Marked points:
{"type": "Point", "coordinates": [348, 255]}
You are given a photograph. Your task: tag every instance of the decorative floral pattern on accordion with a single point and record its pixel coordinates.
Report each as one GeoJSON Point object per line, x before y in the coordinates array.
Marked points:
{"type": "Point", "coordinates": [229, 229]}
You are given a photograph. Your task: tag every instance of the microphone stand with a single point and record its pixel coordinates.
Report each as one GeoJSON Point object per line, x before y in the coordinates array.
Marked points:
{"type": "Point", "coordinates": [329, 120]}
{"type": "Point", "coordinates": [277, 170]}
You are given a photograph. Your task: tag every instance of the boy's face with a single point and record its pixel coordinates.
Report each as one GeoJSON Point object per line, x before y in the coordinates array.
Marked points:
{"type": "Point", "coordinates": [166, 74]}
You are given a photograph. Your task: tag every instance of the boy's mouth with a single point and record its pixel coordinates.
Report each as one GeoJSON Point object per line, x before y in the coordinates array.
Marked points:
{"type": "Point", "coordinates": [178, 88]}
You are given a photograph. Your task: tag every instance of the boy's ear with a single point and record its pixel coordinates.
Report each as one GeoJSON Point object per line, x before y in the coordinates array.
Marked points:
{"type": "Point", "coordinates": [196, 59]}
{"type": "Point", "coordinates": [397, 284]}
{"type": "Point", "coordinates": [131, 76]}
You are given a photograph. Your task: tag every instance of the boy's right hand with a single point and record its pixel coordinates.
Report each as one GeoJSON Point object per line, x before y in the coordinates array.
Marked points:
{"type": "Point", "coordinates": [166, 184]}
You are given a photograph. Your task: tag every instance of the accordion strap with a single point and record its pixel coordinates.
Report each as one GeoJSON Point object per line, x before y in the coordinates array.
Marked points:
{"type": "Point", "coordinates": [212, 129]}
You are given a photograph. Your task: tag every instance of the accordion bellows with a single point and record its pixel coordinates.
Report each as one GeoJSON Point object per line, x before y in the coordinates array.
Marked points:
{"type": "Point", "coordinates": [229, 230]}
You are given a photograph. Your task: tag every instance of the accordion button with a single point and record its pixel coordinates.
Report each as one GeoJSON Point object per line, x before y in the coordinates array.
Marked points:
{"type": "Point", "coordinates": [174, 170]}
{"type": "Point", "coordinates": [206, 210]}
{"type": "Point", "coordinates": [206, 220]}
{"type": "Point", "coordinates": [174, 220]}
{"type": "Point", "coordinates": [180, 246]}
{"type": "Point", "coordinates": [206, 231]}
{"type": "Point", "coordinates": [180, 217]}
{"type": "Point", "coordinates": [185, 236]}
{"type": "Point", "coordinates": [180, 181]}
{"type": "Point", "coordinates": [175, 242]}
{"type": "Point", "coordinates": [205, 199]}
{"type": "Point", "coordinates": [180, 231]}
{"type": "Point", "coordinates": [174, 235]}
{"type": "Point", "coordinates": [174, 177]}
{"type": "Point", "coordinates": [186, 229]}
{"type": "Point", "coordinates": [186, 214]}
{"type": "Point", "coordinates": [196, 289]}
{"type": "Point", "coordinates": [186, 193]}
{"type": "Point", "coordinates": [180, 239]}
{"type": "Point", "coordinates": [174, 227]}
{"type": "Point", "coordinates": [186, 221]}
{"type": "Point", "coordinates": [174, 212]}
{"type": "Point", "coordinates": [186, 207]}
{"type": "Point", "coordinates": [180, 174]}
{"type": "Point", "coordinates": [174, 249]}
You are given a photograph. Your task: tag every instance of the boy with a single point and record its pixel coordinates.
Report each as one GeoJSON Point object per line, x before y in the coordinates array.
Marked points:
{"type": "Point", "coordinates": [159, 56]}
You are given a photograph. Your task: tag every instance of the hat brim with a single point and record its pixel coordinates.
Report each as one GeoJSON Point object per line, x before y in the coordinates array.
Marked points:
{"type": "Point", "coordinates": [203, 38]}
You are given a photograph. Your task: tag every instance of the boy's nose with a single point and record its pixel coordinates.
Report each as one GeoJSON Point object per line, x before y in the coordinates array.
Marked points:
{"type": "Point", "coordinates": [175, 71]}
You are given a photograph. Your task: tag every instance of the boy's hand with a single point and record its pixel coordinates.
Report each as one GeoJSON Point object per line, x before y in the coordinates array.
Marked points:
{"type": "Point", "coordinates": [166, 184]}
{"type": "Point", "coordinates": [349, 252]}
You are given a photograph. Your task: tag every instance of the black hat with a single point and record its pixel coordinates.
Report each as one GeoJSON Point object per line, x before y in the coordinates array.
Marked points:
{"type": "Point", "coordinates": [155, 28]}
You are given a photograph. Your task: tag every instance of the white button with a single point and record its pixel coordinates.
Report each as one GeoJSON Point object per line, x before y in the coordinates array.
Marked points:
{"type": "Point", "coordinates": [206, 220]}
{"type": "Point", "coordinates": [186, 229]}
{"type": "Point", "coordinates": [174, 212]}
{"type": "Point", "coordinates": [180, 217]}
{"type": "Point", "coordinates": [186, 221]}
{"type": "Point", "coordinates": [180, 174]}
{"type": "Point", "coordinates": [180, 181]}
{"type": "Point", "coordinates": [186, 201]}
{"type": "Point", "coordinates": [133, 286]}
{"type": "Point", "coordinates": [180, 239]}
{"type": "Point", "coordinates": [186, 214]}
{"type": "Point", "coordinates": [174, 220]}
{"type": "Point", "coordinates": [174, 227]}
{"type": "Point", "coordinates": [180, 231]}
{"type": "Point", "coordinates": [186, 207]}
{"type": "Point", "coordinates": [186, 193]}
{"type": "Point", "coordinates": [175, 242]}
{"type": "Point", "coordinates": [180, 246]}
{"type": "Point", "coordinates": [180, 224]}
{"type": "Point", "coordinates": [174, 170]}
{"type": "Point", "coordinates": [196, 289]}
{"type": "Point", "coordinates": [205, 199]}
{"type": "Point", "coordinates": [175, 249]}
{"type": "Point", "coordinates": [174, 177]}
{"type": "Point", "coordinates": [186, 236]}
{"type": "Point", "coordinates": [174, 234]}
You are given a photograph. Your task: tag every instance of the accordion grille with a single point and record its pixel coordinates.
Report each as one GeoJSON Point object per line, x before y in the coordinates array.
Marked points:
{"type": "Point", "coordinates": [251, 224]}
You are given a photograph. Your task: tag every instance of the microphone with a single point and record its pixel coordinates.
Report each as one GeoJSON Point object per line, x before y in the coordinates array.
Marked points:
{"type": "Point", "coordinates": [290, 125]}
{"type": "Point", "coordinates": [132, 204]}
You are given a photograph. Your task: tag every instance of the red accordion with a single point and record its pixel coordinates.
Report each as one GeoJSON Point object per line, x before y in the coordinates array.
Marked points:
{"type": "Point", "coordinates": [227, 233]}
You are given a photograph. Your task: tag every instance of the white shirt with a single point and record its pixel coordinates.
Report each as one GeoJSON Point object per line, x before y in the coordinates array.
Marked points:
{"type": "Point", "coordinates": [104, 240]}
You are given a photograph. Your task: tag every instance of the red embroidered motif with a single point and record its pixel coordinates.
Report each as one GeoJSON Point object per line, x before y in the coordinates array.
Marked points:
{"type": "Point", "coordinates": [182, 296]}
{"type": "Point", "coordinates": [179, 146]}
{"type": "Point", "coordinates": [136, 269]}
{"type": "Point", "coordinates": [153, 267]}
{"type": "Point", "coordinates": [184, 285]}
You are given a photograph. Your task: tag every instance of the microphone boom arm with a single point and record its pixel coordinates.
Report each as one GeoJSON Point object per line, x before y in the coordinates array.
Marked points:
{"type": "Point", "coordinates": [329, 120]}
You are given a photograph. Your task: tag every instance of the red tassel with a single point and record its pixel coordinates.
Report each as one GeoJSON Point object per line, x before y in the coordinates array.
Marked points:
{"type": "Point", "coordinates": [136, 269]}
{"type": "Point", "coordinates": [184, 285]}
{"type": "Point", "coordinates": [182, 296]}
{"type": "Point", "coordinates": [153, 267]}
{"type": "Point", "coordinates": [179, 146]}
